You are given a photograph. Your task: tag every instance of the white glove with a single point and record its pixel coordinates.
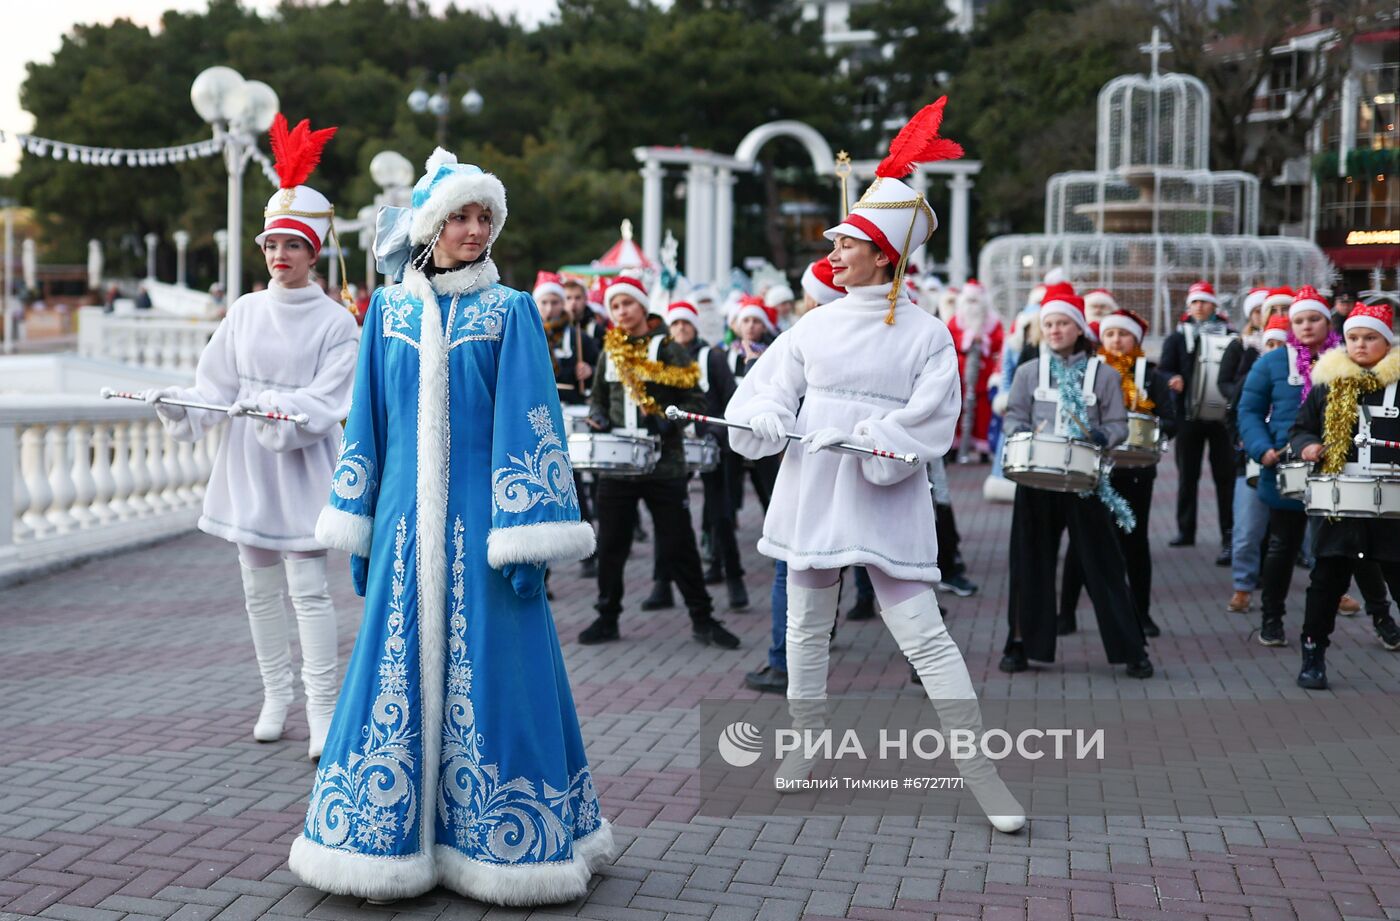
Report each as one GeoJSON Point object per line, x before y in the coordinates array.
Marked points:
{"type": "Point", "coordinates": [824, 439]}
{"type": "Point", "coordinates": [164, 410]}
{"type": "Point", "coordinates": [243, 407]}
{"type": "Point", "coordinates": [769, 426]}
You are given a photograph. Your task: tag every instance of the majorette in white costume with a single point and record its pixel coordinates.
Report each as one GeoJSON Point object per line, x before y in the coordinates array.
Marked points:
{"type": "Point", "coordinates": [455, 757]}
{"type": "Point", "coordinates": [289, 348]}
{"type": "Point", "coordinates": [872, 369]}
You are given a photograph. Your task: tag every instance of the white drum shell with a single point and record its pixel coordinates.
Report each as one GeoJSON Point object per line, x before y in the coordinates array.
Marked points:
{"type": "Point", "coordinates": [1345, 496]}
{"type": "Point", "coordinates": [1293, 478]}
{"type": "Point", "coordinates": [701, 455]}
{"type": "Point", "coordinates": [613, 453]}
{"type": "Point", "coordinates": [1143, 447]}
{"type": "Point", "coordinates": [1051, 462]}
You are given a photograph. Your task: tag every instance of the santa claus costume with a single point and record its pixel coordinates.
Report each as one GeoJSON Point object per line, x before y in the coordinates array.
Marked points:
{"type": "Point", "coordinates": [978, 336]}
{"type": "Point", "coordinates": [288, 348]}
{"type": "Point", "coordinates": [867, 369]}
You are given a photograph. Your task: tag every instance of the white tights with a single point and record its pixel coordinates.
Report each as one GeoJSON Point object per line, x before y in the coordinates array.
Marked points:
{"type": "Point", "coordinates": [261, 557]}
{"type": "Point", "coordinates": [889, 590]}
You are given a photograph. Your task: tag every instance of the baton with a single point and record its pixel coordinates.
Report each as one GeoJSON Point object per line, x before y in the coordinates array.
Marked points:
{"type": "Point", "coordinates": [676, 413]}
{"type": "Point", "coordinates": [271, 415]}
{"type": "Point", "coordinates": [1360, 440]}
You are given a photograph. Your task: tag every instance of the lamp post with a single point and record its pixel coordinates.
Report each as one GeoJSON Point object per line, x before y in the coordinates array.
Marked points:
{"type": "Point", "coordinates": [10, 319]}
{"type": "Point", "coordinates": [238, 110]}
{"type": "Point", "coordinates": [151, 240]}
{"type": "Point", "coordinates": [182, 243]}
{"type": "Point", "coordinates": [221, 243]}
{"type": "Point", "coordinates": [440, 105]}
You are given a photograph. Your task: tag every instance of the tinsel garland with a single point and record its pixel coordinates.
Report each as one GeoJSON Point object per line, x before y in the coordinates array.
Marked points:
{"type": "Point", "coordinates": [1307, 358]}
{"type": "Point", "coordinates": [1070, 379]}
{"type": "Point", "coordinates": [629, 357]}
{"type": "Point", "coordinates": [1125, 365]}
{"type": "Point", "coordinates": [1339, 421]}
{"type": "Point", "coordinates": [554, 330]}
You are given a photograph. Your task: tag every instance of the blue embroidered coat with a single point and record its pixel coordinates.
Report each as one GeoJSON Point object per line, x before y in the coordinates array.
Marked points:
{"type": "Point", "coordinates": [455, 755]}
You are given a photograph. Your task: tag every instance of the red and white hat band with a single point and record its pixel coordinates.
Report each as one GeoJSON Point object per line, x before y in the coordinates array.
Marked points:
{"type": "Point", "coordinates": [1303, 305]}
{"type": "Point", "coordinates": [630, 287]}
{"type": "Point", "coordinates": [682, 311]}
{"type": "Point", "coordinates": [1366, 321]}
{"type": "Point", "coordinates": [822, 290]}
{"type": "Point", "coordinates": [1118, 321]}
{"type": "Point", "coordinates": [548, 287]}
{"type": "Point", "coordinates": [1201, 292]}
{"type": "Point", "coordinates": [1277, 335]}
{"type": "Point", "coordinates": [753, 310]}
{"type": "Point", "coordinates": [292, 226]}
{"type": "Point", "coordinates": [1065, 308]}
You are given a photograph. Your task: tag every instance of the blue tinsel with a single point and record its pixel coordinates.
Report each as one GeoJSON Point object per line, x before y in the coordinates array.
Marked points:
{"type": "Point", "coordinates": [1070, 378]}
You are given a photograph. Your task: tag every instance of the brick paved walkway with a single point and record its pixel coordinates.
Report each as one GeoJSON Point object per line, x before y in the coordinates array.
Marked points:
{"type": "Point", "coordinates": [130, 786]}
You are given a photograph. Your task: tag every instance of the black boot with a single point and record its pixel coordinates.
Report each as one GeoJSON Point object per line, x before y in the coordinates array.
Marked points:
{"type": "Point", "coordinates": [1140, 669]}
{"type": "Point", "coordinates": [714, 573]}
{"type": "Point", "coordinates": [602, 630]}
{"type": "Point", "coordinates": [1149, 627]}
{"type": "Point", "coordinates": [738, 594]}
{"type": "Point", "coordinates": [660, 598]}
{"type": "Point", "coordinates": [711, 632]}
{"type": "Point", "coordinates": [767, 679]}
{"type": "Point", "coordinates": [1386, 631]}
{"type": "Point", "coordinates": [1314, 673]}
{"type": "Point", "coordinates": [1015, 658]}
{"type": "Point", "coordinates": [1271, 632]}
{"type": "Point", "coordinates": [863, 609]}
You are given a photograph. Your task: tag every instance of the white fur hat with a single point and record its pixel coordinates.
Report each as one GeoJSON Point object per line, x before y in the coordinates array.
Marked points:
{"type": "Point", "coordinates": [448, 185]}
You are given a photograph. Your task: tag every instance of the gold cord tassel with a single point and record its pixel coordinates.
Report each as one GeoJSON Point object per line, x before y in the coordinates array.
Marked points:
{"type": "Point", "coordinates": [903, 262]}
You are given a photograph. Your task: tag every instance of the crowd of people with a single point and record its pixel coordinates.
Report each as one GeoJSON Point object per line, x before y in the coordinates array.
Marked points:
{"type": "Point", "coordinates": [450, 753]}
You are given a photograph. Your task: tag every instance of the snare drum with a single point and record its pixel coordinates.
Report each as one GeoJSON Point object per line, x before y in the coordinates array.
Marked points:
{"type": "Point", "coordinates": [1051, 462]}
{"type": "Point", "coordinates": [1252, 469]}
{"type": "Point", "coordinates": [1292, 478]}
{"type": "Point", "coordinates": [1205, 402]}
{"type": "Point", "coordinates": [614, 453]}
{"type": "Point", "coordinates": [701, 454]}
{"type": "Point", "coordinates": [576, 417]}
{"type": "Point", "coordinates": [1143, 447]}
{"type": "Point", "coordinates": [1353, 496]}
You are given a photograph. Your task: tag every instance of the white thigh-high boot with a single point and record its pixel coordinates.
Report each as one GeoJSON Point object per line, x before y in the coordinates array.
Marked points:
{"type": "Point", "coordinates": [811, 612]}
{"type": "Point", "coordinates": [918, 628]}
{"type": "Point", "coordinates": [316, 625]}
{"type": "Point", "coordinates": [267, 618]}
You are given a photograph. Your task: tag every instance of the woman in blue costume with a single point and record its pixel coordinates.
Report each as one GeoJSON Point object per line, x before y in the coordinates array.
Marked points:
{"type": "Point", "coordinates": [455, 757]}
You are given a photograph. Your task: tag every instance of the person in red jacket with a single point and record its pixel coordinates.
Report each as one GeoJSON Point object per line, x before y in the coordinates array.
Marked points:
{"type": "Point", "coordinates": [978, 336]}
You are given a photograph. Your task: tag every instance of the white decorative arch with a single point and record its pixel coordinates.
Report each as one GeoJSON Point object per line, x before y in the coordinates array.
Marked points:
{"type": "Point", "coordinates": [817, 147]}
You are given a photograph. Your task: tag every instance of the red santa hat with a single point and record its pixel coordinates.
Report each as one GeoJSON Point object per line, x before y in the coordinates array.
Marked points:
{"type": "Point", "coordinates": [1060, 298]}
{"type": "Point", "coordinates": [1278, 297]}
{"type": "Point", "coordinates": [1379, 316]}
{"type": "Point", "coordinates": [683, 310]}
{"type": "Point", "coordinates": [750, 306]}
{"type": "Point", "coordinates": [1254, 299]}
{"type": "Point", "coordinates": [595, 297]}
{"type": "Point", "coordinates": [1277, 328]}
{"type": "Point", "coordinates": [1100, 297]}
{"type": "Point", "coordinates": [1122, 318]}
{"type": "Point", "coordinates": [626, 284]}
{"type": "Point", "coordinates": [295, 208]}
{"type": "Point", "coordinates": [547, 283]}
{"type": "Point", "coordinates": [819, 283]}
{"type": "Point", "coordinates": [1307, 299]}
{"type": "Point", "coordinates": [1202, 291]}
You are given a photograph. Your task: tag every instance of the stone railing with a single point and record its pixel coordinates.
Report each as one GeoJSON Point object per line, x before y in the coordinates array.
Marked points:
{"type": "Point", "coordinates": [84, 477]}
{"type": "Point", "coordinates": [166, 343]}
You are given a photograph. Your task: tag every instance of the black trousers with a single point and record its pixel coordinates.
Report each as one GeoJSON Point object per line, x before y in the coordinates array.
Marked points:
{"type": "Point", "coordinates": [1192, 439]}
{"type": "Point", "coordinates": [763, 472]}
{"type": "Point", "coordinates": [719, 522]}
{"type": "Point", "coordinates": [1330, 577]}
{"type": "Point", "coordinates": [945, 528]}
{"type": "Point", "coordinates": [1135, 485]}
{"type": "Point", "coordinates": [1286, 530]}
{"type": "Point", "coordinates": [668, 501]}
{"type": "Point", "coordinates": [1038, 521]}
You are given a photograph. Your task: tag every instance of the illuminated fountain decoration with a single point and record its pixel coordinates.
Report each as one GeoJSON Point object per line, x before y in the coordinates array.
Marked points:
{"type": "Point", "coordinates": [1151, 218]}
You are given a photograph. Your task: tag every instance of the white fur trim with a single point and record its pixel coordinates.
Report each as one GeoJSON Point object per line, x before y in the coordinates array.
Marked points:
{"type": "Point", "coordinates": [1254, 299]}
{"type": "Point", "coordinates": [1277, 300]}
{"type": "Point", "coordinates": [438, 158]}
{"type": "Point", "coordinates": [452, 193]}
{"type": "Point", "coordinates": [549, 287]}
{"type": "Point", "coordinates": [1118, 321]}
{"type": "Point", "coordinates": [1064, 308]}
{"type": "Point", "coordinates": [1202, 296]}
{"type": "Point", "coordinates": [780, 293]}
{"type": "Point", "coordinates": [545, 542]}
{"type": "Point", "coordinates": [345, 530]}
{"type": "Point", "coordinates": [368, 877]}
{"type": "Point", "coordinates": [753, 310]}
{"type": "Point", "coordinates": [623, 288]}
{"type": "Point", "coordinates": [1369, 323]}
{"type": "Point", "coordinates": [687, 314]}
{"type": "Point", "coordinates": [821, 292]}
{"type": "Point", "coordinates": [1276, 334]}
{"type": "Point", "coordinates": [431, 563]}
{"type": "Point", "coordinates": [1304, 306]}
{"type": "Point", "coordinates": [526, 884]}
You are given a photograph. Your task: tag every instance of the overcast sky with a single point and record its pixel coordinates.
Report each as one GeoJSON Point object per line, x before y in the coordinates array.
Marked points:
{"type": "Point", "coordinates": [33, 32]}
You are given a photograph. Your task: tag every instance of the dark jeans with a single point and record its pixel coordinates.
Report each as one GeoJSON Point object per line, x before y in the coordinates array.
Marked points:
{"type": "Point", "coordinates": [763, 472]}
{"type": "Point", "coordinates": [1038, 520]}
{"type": "Point", "coordinates": [1192, 439]}
{"type": "Point", "coordinates": [1330, 577]}
{"type": "Point", "coordinates": [1136, 488]}
{"type": "Point", "coordinates": [668, 500]}
{"type": "Point", "coordinates": [777, 653]}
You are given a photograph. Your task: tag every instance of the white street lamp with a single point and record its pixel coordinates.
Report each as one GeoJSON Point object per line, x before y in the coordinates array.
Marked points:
{"type": "Point", "coordinates": [393, 173]}
{"type": "Point", "coordinates": [182, 243]}
{"type": "Point", "coordinates": [238, 110]}
{"type": "Point", "coordinates": [221, 242]}
{"type": "Point", "coordinates": [440, 106]}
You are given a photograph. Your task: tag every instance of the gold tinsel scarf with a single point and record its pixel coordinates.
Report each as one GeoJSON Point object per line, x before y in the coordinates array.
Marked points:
{"type": "Point", "coordinates": [1124, 365]}
{"type": "Point", "coordinates": [1343, 403]}
{"type": "Point", "coordinates": [629, 357]}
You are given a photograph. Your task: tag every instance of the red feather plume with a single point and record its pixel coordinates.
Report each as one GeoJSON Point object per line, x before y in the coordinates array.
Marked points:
{"type": "Point", "coordinates": [296, 153]}
{"type": "Point", "coordinates": [918, 142]}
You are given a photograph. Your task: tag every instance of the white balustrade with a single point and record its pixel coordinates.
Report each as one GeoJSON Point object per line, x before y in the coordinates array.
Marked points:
{"type": "Point", "coordinates": [91, 476]}
{"type": "Point", "coordinates": [166, 343]}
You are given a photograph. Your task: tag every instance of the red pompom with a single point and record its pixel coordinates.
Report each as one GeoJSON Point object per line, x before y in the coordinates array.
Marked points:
{"type": "Point", "coordinates": [296, 153]}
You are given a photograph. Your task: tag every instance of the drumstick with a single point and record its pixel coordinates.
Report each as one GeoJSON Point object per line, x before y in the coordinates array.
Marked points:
{"type": "Point", "coordinates": [676, 413]}
{"type": "Point", "coordinates": [1360, 440]}
{"type": "Point", "coordinates": [272, 415]}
